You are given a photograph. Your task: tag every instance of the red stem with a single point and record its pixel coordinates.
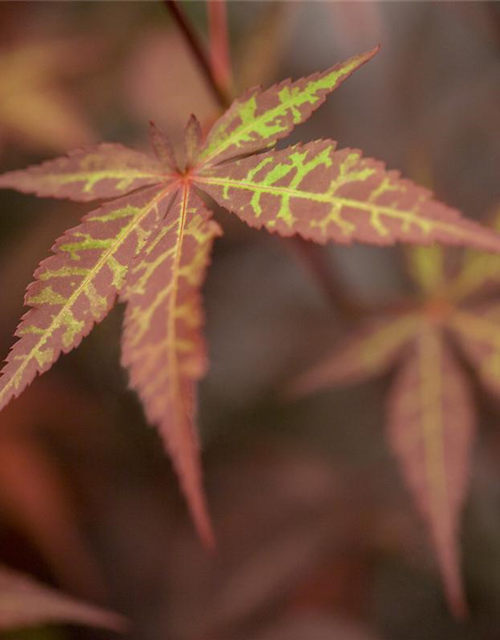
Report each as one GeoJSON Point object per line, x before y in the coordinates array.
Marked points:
{"type": "Point", "coordinates": [315, 259]}
{"type": "Point", "coordinates": [219, 43]}
{"type": "Point", "coordinates": [198, 51]}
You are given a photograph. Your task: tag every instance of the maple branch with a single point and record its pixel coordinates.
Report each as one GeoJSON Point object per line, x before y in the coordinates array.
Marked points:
{"type": "Point", "coordinates": [313, 255]}
{"type": "Point", "coordinates": [221, 95]}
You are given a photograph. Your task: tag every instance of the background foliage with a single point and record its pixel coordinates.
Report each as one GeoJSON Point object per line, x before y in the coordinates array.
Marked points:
{"type": "Point", "coordinates": [317, 533]}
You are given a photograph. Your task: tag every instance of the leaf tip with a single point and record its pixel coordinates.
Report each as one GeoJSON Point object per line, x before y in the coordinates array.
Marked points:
{"type": "Point", "coordinates": [369, 54]}
{"type": "Point", "coordinates": [455, 597]}
{"type": "Point", "coordinates": [193, 139]}
{"type": "Point", "coordinates": [162, 147]}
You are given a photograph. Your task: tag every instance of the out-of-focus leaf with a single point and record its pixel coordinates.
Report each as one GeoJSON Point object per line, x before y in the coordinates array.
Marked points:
{"type": "Point", "coordinates": [430, 427]}
{"type": "Point", "coordinates": [33, 105]}
{"type": "Point", "coordinates": [370, 351]}
{"type": "Point", "coordinates": [27, 603]}
{"type": "Point", "coordinates": [368, 18]}
{"type": "Point", "coordinates": [479, 273]}
{"type": "Point", "coordinates": [426, 268]}
{"type": "Point", "coordinates": [261, 49]}
{"type": "Point", "coordinates": [159, 66]}
{"type": "Point", "coordinates": [478, 333]}
{"type": "Point", "coordinates": [315, 626]}
{"type": "Point", "coordinates": [33, 499]}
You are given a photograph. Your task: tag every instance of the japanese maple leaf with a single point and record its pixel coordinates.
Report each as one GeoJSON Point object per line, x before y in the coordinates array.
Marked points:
{"type": "Point", "coordinates": [430, 411]}
{"type": "Point", "coordinates": [33, 107]}
{"type": "Point", "coordinates": [151, 245]}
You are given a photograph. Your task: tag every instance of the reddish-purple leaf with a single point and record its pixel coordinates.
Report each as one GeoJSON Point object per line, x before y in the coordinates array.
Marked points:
{"type": "Point", "coordinates": [77, 286]}
{"type": "Point", "coordinates": [162, 343]}
{"type": "Point", "coordinates": [323, 194]}
{"type": "Point", "coordinates": [259, 118]}
{"type": "Point", "coordinates": [162, 148]}
{"type": "Point", "coordinates": [430, 427]}
{"type": "Point", "coordinates": [192, 141]}
{"type": "Point", "coordinates": [104, 171]}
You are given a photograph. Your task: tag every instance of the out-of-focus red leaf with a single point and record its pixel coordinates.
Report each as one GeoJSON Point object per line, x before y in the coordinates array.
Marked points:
{"type": "Point", "coordinates": [479, 274]}
{"type": "Point", "coordinates": [356, 24]}
{"type": "Point", "coordinates": [369, 351]}
{"type": "Point", "coordinates": [315, 626]}
{"type": "Point", "coordinates": [477, 331]}
{"type": "Point", "coordinates": [430, 426]}
{"type": "Point", "coordinates": [159, 66]}
{"type": "Point", "coordinates": [35, 500]}
{"type": "Point", "coordinates": [259, 53]}
{"type": "Point", "coordinates": [33, 105]}
{"type": "Point", "coordinates": [27, 603]}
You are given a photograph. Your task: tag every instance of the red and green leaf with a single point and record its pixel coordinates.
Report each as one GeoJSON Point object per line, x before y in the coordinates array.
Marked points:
{"type": "Point", "coordinates": [369, 351]}
{"type": "Point", "coordinates": [259, 118]}
{"type": "Point", "coordinates": [76, 287]}
{"type": "Point", "coordinates": [105, 171]}
{"type": "Point", "coordinates": [430, 427]}
{"type": "Point", "coordinates": [162, 343]}
{"type": "Point", "coordinates": [323, 195]}
{"type": "Point", "coordinates": [25, 602]}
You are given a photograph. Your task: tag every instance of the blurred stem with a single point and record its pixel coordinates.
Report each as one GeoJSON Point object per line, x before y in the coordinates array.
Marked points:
{"type": "Point", "coordinates": [315, 259]}
{"type": "Point", "coordinates": [219, 43]}
{"type": "Point", "coordinates": [312, 254]}
{"type": "Point", "coordinates": [223, 98]}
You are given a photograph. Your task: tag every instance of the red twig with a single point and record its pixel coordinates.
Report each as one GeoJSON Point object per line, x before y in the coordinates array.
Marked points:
{"type": "Point", "coordinates": [198, 52]}
{"type": "Point", "coordinates": [220, 55]}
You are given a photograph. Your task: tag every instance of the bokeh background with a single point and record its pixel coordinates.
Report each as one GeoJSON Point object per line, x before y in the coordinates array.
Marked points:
{"type": "Point", "coordinates": [317, 536]}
